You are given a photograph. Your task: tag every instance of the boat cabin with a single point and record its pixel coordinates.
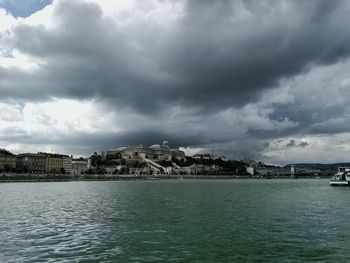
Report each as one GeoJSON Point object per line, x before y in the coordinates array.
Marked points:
{"type": "Point", "coordinates": [343, 169]}
{"type": "Point", "coordinates": [342, 177]}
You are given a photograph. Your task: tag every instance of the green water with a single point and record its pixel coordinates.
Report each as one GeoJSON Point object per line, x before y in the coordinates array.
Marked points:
{"type": "Point", "coordinates": [175, 221]}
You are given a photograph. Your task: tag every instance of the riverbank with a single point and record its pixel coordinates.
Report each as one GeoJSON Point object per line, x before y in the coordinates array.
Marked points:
{"type": "Point", "coordinates": [68, 178]}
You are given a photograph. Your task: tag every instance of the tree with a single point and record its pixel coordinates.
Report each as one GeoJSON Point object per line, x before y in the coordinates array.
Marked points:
{"type": "Point", "coordinates": [7, 168]}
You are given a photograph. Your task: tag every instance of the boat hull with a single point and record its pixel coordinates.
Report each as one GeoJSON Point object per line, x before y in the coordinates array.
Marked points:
{"type": "Point", "coordinates": [339, 183]}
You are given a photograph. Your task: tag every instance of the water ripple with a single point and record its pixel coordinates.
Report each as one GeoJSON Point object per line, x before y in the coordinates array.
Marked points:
{"type": "Point", "coordinates": [177, 221]}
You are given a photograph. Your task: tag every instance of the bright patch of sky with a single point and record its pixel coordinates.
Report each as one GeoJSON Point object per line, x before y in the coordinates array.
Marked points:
{"type": "Point", "coordinates": [23, 8]}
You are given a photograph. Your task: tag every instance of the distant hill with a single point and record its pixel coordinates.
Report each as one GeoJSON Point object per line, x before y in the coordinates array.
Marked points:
{"type": "Point", "coordinates": [333, 167]}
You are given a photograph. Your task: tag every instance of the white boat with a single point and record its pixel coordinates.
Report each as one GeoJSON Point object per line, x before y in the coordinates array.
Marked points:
{"type": "Point", "coordinates": [341, 178]}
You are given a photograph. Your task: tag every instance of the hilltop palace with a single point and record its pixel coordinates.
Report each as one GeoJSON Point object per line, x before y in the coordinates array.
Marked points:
{"type": "Point", "coordinates": [155, 152]}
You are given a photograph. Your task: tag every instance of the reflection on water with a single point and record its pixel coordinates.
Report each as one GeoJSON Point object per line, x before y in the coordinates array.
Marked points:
{"type": "Point", "coordinates": [175, 221]}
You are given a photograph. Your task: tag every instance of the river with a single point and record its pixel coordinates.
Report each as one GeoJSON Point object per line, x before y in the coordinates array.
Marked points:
{"type": "Point", "coordinates": [175, 221]}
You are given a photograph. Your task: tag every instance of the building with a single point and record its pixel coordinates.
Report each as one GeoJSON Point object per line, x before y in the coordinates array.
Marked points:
{"type": "Point", "coordinates": [57, 163]}
{"type": "Point", "coordinates": [89, 164]}
{"type": "Point", "coordinates": [205, 156]}
{"type": "Point", "coordinates": [196, 169]}
{"type": "Point", "coordinates": [250, 170]}
{"type": "Point", "coordinates": [137, 152]}
{"type": "Point", "coordinates": [208, 156]}
{"type": "Point", "coordinates": [272, 171]}
{"type": "Point", "coordinates": [112, 152]}
{"type": "Point", "coordinates": [54, 163]}
{"type": "Point", "coordinates": [161, 151]}
{"type": "Point", "coordinates": [155, 152]}
{"type": "Point", "coordinates": [31, 163]}
{"type": "Point", "coordinates": [79, 166]}
{"type": "Point", "coordinates": [67, 164]}
{"type": "Point", "coordinates": [7, 161]}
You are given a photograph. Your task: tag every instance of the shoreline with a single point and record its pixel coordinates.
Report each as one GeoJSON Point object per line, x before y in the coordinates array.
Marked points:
{"type": "Point", "coordinates": [17, 179]}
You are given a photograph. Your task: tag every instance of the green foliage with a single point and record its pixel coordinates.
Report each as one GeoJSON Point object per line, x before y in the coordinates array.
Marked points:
{"type": "Point", "coordinates": [187, 162]}
{"type": "Point", "coordinates": [139, 164]}
{"type": "Point", "coordinates": [110, 160]}
{"type": "Point", "coordinates": [100, 170]}
{"type": "Point", "coordinates": [96, 160]}
{"type": "Point", "coordinates": [89, 171]}
{"type": "Point", "coordinates": [113, 156]}
{"type": "Point", "coordinates": [226, 167]}
{"type": "Point", "coordinates": [165, 163]}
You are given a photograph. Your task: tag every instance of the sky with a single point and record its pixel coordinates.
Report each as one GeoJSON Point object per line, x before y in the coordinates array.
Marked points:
{"type": "Point", "coordinates": [263, 80]}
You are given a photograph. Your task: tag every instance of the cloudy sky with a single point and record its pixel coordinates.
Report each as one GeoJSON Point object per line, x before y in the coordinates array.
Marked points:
{"type": "Point", "coordinates": [266, 80]}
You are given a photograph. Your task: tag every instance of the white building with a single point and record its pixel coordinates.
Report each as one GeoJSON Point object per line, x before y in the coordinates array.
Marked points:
{"type": "Point", "coordinates": [67, 164]}
{"type": "Point", "coordinates": [112, 152]}
{"type": "Point", "coordinates": [155, 152]}
{"type": "Point", "coordinates": [79, 166]}
{"type": "Point", "coordinates": [250, 170]}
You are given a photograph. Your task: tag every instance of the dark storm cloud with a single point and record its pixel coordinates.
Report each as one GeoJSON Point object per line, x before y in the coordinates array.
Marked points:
{"type": "Point", "coordinates": [313, 120]}
{"type": "Point", "coordinates": [87, 143]}
{"type": "Point", "coordinates": [293, 143]}
{"type": "Point", "coordinates": [219, 54]}
{"type": "Point", "coordinates": [215, 56]}
{"type": "Point", "coordinates": [146, 138]}
{"type": "Point", "coordinates": [320, 104]}
{"type": "Point", "coordinates": [230, 63]}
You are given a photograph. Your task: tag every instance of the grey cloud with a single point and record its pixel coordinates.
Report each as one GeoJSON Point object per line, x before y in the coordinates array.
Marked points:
{"type": "Point", "coordinates": [303, 144]}
{"type": "Point", "coordinates": [217, 55]}
{"type": "Point", "coordinates": [321, 102]}
{"type": "Point", "coordinates": [291, 143]}
{"type": "Point", "coordinates": [242, 148]}
{"type": "Point", "coordinates": [14, 134]}
{"type": "Point", "coordinates": [211, 59]}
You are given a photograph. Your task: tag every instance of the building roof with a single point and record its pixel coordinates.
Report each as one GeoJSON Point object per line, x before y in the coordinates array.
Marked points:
{"type": "Point", "coordinates": [79, 161]}
{"type": "Point", "coordinates": [31, 155]}
{"type": "Point", "coordinates": [53, 154]}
